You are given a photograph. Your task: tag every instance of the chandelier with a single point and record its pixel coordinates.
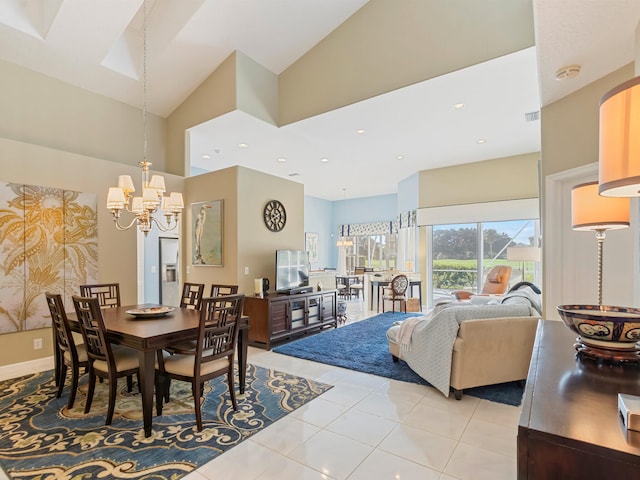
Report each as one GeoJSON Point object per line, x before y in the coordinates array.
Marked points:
{"type": "Point", "coordinates": [153, 202]}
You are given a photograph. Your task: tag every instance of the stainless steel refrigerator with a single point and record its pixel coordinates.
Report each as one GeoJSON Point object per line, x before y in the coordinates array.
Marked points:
{"type": "Point", "coordinates": [169, 271]}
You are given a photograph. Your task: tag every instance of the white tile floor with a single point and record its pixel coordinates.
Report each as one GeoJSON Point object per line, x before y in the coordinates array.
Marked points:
{"type": "Point", "coordinates": [369, 427]}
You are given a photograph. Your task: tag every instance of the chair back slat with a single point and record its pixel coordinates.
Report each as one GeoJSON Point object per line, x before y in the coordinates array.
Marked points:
{"type": "Point", "coordinates": [93, 328]}
{"type": "Point", "coordinates": [220, 290]}
{"type": "Point", "coordinates": [192, 295]}
{"type": "Point", "coordinates": [108, 294]}
{"type": "Point", "coordinates": [60, 323]}
{"type": "Point", "coordinates": [218, 332]}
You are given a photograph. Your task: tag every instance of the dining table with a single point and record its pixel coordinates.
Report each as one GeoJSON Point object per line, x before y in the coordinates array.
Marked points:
{"type": "Point", "coordinates": [148, 334]}
{"type": "Point", "coordinates": [378, 283]}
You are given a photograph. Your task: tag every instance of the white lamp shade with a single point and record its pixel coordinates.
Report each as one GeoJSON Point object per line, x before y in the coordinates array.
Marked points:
{"type": "Point", "coordinates": [619, 142]}
{"type": "Point", "coordinates": [157, 182]}
{"type": "Point", "coordinates": [176, 202]}
{"type": "Point", "coordinates": [115, 198]}
{"type": "Point", "coordinates": [126, 184]}
{"type": "Point", "coordinates": [523, 254]}
{"type": "Point", "coordinates": [150, 197]}
{"type": "Point", "coordinates": [591, 211]}
{"type": "Point", "coordinates": [136, 205]}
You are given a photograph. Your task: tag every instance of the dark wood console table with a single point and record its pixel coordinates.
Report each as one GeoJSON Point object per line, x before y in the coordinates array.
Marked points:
{"type": "Point", "coordinates": [570, 427]}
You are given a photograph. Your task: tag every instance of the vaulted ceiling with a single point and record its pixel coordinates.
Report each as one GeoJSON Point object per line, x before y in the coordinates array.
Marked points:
{"type": "Point", "coordinates": [97, 45]}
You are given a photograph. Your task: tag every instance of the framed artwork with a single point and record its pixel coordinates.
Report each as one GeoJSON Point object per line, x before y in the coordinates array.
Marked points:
{"type": "Point", "coordinates": [311, 245]}
{"type": "Point", "coordinates": [206, 233]}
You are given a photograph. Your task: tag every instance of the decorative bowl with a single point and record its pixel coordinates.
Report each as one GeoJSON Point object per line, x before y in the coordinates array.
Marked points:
{"type": "Point", "coordinates": [603, 326]}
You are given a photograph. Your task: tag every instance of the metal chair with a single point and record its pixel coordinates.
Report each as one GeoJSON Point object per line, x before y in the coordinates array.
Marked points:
{"type": "Point", "coordinates": [105, 361]}
{"type": "Point", "coordinates": [212, 356]}
{"type": "Point", "coordinates": [108, 294]}
{"type": "Point", "coordinates": [192, 295]}
{"type": "Point", "coordinates": [69, 354]}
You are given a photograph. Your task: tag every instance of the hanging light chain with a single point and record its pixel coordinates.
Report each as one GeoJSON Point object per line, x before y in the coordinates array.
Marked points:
{"type": "Point", "coordinates": [144, 76]}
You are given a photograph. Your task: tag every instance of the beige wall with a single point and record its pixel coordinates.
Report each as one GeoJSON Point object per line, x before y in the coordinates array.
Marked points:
{"type": "Point", "coordinates": [246, 240]}
{"type": "Point", "coordinates": [388, 44]}
{"type": "Point", "coordinates": [569, 129]}
{"type": "Point", "coordinates": [219, 185]}
{"type": "Point", "coordinates": [508, 178]}
{"type": "Point", "coordinates": [257, 89]}
{"type": "Point", "coordinates": [41, 110]}
{"type": "Point", "coordinates": [214, 97]}
{"type": "Point", "coordinates": [257, 245]}
{"type": "Point", "coordinates": [117, 260]}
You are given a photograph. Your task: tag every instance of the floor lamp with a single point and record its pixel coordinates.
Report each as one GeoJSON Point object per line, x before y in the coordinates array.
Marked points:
{"type": "Point", "coordinates": [522, 255]}
{"type": "Point", "coordinates": [593, 212]}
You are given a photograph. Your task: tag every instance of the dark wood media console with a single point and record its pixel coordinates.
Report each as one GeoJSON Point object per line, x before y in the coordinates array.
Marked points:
{"type": "Point", "coordinates": [570, 427]}
{"type": "Point", "coordinates": [276, 317]}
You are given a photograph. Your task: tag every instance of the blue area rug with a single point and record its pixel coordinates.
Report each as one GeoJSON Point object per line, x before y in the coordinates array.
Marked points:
{"type": "Point", "coordinates": [363, 346]}
{"type": "Point", "coordinates": [41, 439]}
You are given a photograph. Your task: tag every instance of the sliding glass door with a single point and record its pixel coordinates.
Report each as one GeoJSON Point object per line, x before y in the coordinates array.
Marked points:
{"type": "Point", "coordinates": [462, 254]}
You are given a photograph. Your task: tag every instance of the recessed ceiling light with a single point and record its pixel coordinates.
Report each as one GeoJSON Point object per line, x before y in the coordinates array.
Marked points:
{"type": "Point", "coordinates": [482, 140]}
{"type": "Point", "coordinates": [206, 156]}
{"type": "Point", "coordinates": [243, 145]}
{"type": "Point", "coordinates": [360, 131]}
{"type": "Point", "coordinates": [400, 157]}
{"type": "Point", "coordinates": [282, 159]}
{"type": "Point", "coordinates": [458, 106]}
{"type": "Point", "coordinates": [324, 160]}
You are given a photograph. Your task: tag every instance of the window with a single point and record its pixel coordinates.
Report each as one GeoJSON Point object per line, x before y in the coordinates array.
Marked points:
{"type": "Point", "coordinates": [372, 251]}
{"type": "Point", "coordinates": [462, 254]}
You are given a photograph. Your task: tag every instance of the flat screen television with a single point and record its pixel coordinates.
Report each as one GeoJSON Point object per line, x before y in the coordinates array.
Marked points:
{"type": "Point", "coordinates": [292, 271]}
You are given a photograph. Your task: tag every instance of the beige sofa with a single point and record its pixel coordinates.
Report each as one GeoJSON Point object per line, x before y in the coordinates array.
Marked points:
{"type": "Point", "coordinates": [488, 351]}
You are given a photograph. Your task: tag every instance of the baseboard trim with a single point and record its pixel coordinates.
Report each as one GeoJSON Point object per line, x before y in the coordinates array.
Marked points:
{"type": "Point", "coordinates": [24, 368]}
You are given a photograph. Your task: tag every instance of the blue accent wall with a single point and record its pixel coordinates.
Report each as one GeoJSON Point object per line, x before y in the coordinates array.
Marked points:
{"type": "Point", "coordinates": [324, 216]}
{"type": "Point", "coordinates": [409, 193]}
{"type": "Point", "coordinates": [318, 214]}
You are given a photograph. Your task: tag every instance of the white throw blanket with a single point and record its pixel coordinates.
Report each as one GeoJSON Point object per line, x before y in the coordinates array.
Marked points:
{"type": "Point", "coordinates": [433, 336]}
{"type": "Point", "coordinates": [406, 330]}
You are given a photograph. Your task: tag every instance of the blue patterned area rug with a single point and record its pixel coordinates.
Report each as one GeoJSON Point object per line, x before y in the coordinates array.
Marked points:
{"type": "Point", "coordinates": [41, 439]}
{"type": "Point", "coordinates": [363, 347]}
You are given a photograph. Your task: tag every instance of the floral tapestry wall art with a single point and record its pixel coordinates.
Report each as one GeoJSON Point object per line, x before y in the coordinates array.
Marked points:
{"type": "Point", "coordinates": [48, 243]}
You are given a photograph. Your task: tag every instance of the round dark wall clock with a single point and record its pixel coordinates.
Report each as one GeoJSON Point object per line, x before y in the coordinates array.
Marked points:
{"type": "Point", "coordinates": [275, 216]}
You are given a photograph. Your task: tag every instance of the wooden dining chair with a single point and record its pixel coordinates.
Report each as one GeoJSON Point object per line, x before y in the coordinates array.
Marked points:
{"type": "Point", "coordinates": [70, 354]}
{"type": "Point", "coordinates": [396, 292]}
{"type": "Point", "coordinates": [191, 295]}
{"type": "Point", "coordinates": [220, 290]}
{"type": "Point", "coordinates": [105, 361]}
{"type": "Point", "coordinates": [108, 294]}
{"type": "Point", "coordinates": [212, 356]}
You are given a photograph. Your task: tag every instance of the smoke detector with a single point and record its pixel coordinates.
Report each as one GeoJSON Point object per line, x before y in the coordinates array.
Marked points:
{"type": "Point", "coordinates": [568, 71]}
